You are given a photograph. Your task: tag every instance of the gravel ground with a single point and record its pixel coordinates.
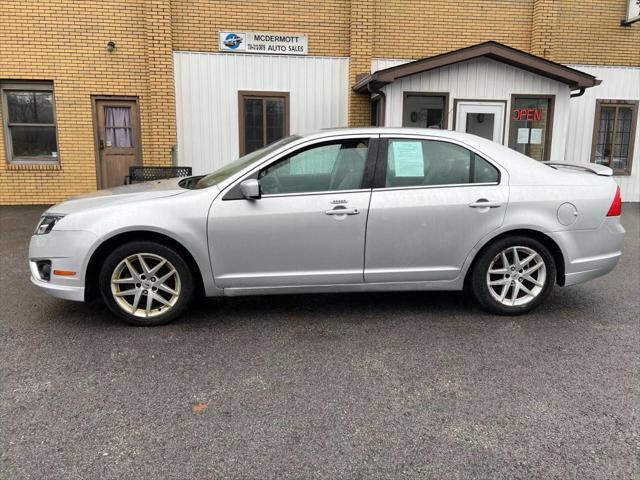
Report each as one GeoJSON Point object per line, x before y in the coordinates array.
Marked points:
{"type": "Point", "coordinates": [321, 386]}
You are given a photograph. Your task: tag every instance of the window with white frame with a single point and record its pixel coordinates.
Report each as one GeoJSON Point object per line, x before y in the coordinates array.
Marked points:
{"type": "Point", "coordinates": [29, 120]}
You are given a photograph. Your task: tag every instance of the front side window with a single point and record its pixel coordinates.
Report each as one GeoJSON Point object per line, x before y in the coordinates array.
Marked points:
{"type": "Point", "coordinates": [425, 110]}
{"type": "Point", "coordinates": [241, 163]}
{"type": "Point", "coordinates": [326, 167]}
{"type": "Point", "coordinates": [614, 134]}
{"type": "Point", "coordinates": [264, 118]}
{"type": "Point", "coordinates": [30, 123]}
{"type": "Point", "coordinates": [530, 126]}
{"type": "Point", "coordinates": [412, 163]}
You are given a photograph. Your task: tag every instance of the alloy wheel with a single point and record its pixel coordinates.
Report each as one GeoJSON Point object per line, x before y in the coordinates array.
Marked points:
{"type": "Point", "coordinates": [516, 276]}
{"type": "Point", "coordinates": [145, 285]}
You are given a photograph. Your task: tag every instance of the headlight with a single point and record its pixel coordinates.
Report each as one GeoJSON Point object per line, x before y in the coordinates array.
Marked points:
{"type": "Point", "coordinates": [46, 223]}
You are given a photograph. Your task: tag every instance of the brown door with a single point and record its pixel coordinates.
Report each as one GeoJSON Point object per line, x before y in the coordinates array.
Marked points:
{"type": "Point", "coordinates": [117, 126]}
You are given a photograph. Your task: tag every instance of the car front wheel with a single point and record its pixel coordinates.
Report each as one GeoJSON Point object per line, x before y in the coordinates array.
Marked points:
{"type": "Point", "coordinates": [146, 283]}
{"type": "Point", "coordinates": [513, 275]}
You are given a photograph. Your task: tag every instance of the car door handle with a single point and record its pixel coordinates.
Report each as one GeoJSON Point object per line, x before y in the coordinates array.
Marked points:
{"type": "Point", "coordinates": [482, 203]}
{"type": "Point", "coordinates": [342, 211]}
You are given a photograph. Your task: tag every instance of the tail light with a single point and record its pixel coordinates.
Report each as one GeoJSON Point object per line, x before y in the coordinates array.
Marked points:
{"type": "Point", "coordinates": [616, 206]}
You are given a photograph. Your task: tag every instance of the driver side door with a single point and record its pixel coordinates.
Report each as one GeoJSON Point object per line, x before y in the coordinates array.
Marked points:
{"type": "Point", "coordinates": [308, 227]}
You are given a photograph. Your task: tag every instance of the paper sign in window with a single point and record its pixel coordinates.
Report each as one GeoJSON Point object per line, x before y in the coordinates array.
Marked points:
{"type": "Point", "coordinates": [536, 136]}
{"type": "Point", "coordinates": [407, 159]}
{"type": "Point", "coordinates": [523, 135]}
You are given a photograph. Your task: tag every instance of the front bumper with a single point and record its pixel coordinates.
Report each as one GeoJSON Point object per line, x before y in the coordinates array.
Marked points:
{"type": "Point", "coordinates": [67, 250]}
{"type": "Point", "coordinates": [590, 254]}
{"type": "Point", "coordinates": [58, 291]}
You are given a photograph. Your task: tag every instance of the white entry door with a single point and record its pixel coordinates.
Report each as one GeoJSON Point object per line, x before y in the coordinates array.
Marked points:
{"type": "Point", "coordinates": [485, 119]}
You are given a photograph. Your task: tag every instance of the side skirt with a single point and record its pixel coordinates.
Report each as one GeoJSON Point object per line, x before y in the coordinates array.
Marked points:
{"type": "Point", "coordinates": [351, 287]}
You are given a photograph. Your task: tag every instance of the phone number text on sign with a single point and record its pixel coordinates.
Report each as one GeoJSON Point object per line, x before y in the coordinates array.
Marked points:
{"type": "Point", "coordinates": [258, 42]}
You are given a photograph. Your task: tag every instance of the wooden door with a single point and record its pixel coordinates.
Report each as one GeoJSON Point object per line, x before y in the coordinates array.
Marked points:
{"type": "Point", "coordinates": [118, 147]}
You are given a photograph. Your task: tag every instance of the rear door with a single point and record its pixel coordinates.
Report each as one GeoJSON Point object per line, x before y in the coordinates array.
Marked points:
{"type": "Point", "coordinates": [308, 228]}
{"type": "Point", "coordinates": [432, 201]}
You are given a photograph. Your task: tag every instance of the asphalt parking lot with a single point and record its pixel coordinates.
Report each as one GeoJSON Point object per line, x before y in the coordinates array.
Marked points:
{"type": "Point", "coordinates": [329, 386]}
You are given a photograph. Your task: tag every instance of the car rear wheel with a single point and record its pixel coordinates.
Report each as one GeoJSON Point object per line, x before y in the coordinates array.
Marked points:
{"type": "Point", "coordinates": [146, 283]}
{"type": "Point", "coordinates": [513, 275]}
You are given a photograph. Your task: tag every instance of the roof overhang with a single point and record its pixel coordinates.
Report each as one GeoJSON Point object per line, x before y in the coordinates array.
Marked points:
{"type": "Point", "coordinates": [496, 51]}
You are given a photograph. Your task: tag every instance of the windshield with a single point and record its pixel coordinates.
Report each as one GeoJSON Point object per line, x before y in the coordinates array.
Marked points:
{"type": "Point", "coordinates": [241, 163]}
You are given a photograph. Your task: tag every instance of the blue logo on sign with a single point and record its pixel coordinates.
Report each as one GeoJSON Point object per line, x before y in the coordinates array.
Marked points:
{"type": "Point", "coordinates": [232, 41]}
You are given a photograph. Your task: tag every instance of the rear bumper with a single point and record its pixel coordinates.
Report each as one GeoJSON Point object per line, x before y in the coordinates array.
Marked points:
{"type": "Point", "coordinates": [589, 254]}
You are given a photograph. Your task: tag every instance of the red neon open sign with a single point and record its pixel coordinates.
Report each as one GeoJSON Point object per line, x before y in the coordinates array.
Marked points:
{"type": "Point", "coordinates": [528, 114]}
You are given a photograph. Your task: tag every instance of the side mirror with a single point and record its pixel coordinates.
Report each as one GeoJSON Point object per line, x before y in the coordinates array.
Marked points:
{"type": "Point", "coordinates": [250, 188]}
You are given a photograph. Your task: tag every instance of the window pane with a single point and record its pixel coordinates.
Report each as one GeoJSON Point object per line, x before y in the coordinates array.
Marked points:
{"type": "Point", "coordinates": [621, 138]}
{"type": "Point", "coordinates": [253, 124]}
{"type": "Point", "coordinates": [44, 107]}
{"type": "Point", "coordinates": [30, 106]}
{"type": "Point", "coordinates": [333, 166]}
{"type": "Point", "coordinates": [484, 172]}
{"type": "Point", "coordinates": [275, 119]}
{"type": "Point", "coordinates": [481, 124]}
{"type": "Point", "coordinates": [426, 162]}
{"type": "Point", "coordinates": [424, 111]}
{"type": "Point", "coordinates": [429, 162]}
{"type": "Point", "coordinates": [605, 135]}
{"type": "Point", "coordinates": [119, 137]}
{"type": "Point", "coordinates": [34, 141]}
{"type": "Point", "coordinates": [117, 116]}
{"type": "Point", "coordinates": [529, 126]}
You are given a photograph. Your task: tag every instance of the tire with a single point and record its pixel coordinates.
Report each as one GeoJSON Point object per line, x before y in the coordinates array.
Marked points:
{"type": "Point", "coordinates": [493, 272]}
{"type": "Point", "coordinates": [126, 293]}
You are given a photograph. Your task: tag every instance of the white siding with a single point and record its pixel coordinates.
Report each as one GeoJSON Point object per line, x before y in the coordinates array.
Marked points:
{"type": "Point", "coordinates": [207, 87]}
{"type": "Point", "coordinates": [573, 141]}
{"type": "Point", "coordinates": [480, 79]}
{"type": "Point", "coordinates": [618, 83]}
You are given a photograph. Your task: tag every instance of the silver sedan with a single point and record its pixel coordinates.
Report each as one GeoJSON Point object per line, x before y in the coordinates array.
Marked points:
{"type": "Point", "coordinates": [347, 210]}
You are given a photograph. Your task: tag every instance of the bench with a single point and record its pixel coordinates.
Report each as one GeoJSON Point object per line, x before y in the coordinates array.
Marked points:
{"type": "Point", "coordinates": [147, 173]}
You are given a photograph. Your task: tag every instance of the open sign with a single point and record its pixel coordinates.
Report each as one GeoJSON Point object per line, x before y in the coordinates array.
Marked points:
{"type": "Point", "coordinates": [528, 114]}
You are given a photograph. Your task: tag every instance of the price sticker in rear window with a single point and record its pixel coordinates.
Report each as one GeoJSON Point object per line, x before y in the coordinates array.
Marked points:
{"type": "Point", "coordinates": [408, 160]}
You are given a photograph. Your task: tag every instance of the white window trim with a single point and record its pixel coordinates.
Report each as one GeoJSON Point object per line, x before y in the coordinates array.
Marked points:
{"type": "Point", "coordinates": [26, 85]}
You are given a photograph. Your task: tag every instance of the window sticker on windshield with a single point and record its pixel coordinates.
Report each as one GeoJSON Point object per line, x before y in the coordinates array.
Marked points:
{"type": "Point", "coordinates": [407, 159]}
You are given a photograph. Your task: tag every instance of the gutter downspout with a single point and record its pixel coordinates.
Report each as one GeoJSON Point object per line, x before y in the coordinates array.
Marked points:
{"type": "Point", "coordinates": [579, 93]}
{"type": "Point", "coordinates": [383, 99]}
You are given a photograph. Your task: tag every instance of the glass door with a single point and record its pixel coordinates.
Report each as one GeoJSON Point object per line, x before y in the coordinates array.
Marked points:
{"type": "Point", "coordinates": [485, 119]}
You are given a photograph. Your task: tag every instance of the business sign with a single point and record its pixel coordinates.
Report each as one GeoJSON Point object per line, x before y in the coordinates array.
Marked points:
{"type": "Point", "coordinates": [526, 114]}
{"type": "Point", "coordinates": [260, 42]}
{"type": "Point", "coordinates": [633, 12]}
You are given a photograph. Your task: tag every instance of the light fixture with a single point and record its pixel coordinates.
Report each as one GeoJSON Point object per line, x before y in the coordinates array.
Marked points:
{"type": "Point", "coordinates": [111, 46]}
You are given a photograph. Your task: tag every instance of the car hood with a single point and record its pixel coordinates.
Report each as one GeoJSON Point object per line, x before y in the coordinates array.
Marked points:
{"type": "Point", "coordinates": [120, 195]}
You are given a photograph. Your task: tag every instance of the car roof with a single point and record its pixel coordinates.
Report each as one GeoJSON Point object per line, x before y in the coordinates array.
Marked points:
{"type": "Point", "coordinates": [487, 146]}
{"type": "Point", "coordinates": [432, 132]}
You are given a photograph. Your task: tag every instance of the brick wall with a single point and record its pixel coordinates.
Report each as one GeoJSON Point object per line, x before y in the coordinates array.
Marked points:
{"type": "Point", "coordinates": [65, 42]}
{"type": "Point", "coordinates": [362, 29]}
{"type": "Point", "coordinates": [589, 32]}
{"type": "Point", "coordinates": [196, 22]}
{"type": "Point", "coordinates": [421, 29]}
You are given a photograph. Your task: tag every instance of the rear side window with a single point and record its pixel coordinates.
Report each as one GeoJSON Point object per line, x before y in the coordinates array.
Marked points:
{"type": "Point", "coordinates": [413, 163]}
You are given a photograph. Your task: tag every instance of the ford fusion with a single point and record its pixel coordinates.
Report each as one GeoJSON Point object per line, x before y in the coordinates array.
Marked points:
{"type": "Point", "coordinates": [348, 210]}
